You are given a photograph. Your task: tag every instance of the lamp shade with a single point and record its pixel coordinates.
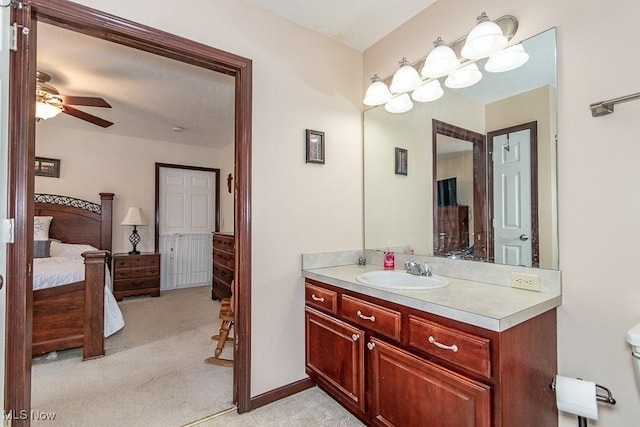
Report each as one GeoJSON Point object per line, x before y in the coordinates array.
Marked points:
{"type": "Point", "coordinates": [405, 79]}
{"type": "Point", "coordinates": [507, 59]}
{"type": "Point", "coordinates": [464, 77]}
{"type": "Point", "coordinates": [45, 110]}
{"type": "Point", "coordinates": [441, 61]}
{"type": "Point", "coordinates": [484, 39]}
{"type": "Point", "coordinates": [399, 104]}
{"type": "Point", "coordinates": [133, 217]}
{"type": "Point", "coordinates": [428, 92]}
{"type": "Point", "coordinates": [377, 92]}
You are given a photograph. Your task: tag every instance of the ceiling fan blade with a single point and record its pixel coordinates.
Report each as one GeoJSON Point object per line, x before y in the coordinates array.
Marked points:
{"type": "Point", "coordinates": [86, 117]}
{"type": "Point", "coordinates": [88, 101]}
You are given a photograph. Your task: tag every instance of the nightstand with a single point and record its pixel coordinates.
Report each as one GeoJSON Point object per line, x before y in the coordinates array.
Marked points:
{"type": "Point", "coordinates": [136, 275]}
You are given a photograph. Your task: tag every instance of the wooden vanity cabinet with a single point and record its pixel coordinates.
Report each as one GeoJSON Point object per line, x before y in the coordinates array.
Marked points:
{"type": "Point", "coordinates": [393, 365]}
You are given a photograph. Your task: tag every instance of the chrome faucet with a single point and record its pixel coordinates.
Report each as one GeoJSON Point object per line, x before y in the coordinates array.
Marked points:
{"type": "Point", "coordinates": [418, 269]}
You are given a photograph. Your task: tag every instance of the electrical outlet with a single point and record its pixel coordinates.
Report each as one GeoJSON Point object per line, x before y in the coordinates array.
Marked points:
{"type": "Point", "coordinates": [530, 282]}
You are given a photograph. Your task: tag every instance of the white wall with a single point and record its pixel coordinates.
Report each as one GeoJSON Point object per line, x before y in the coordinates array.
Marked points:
{"type": "Point", "coordinates": [598, 201]}
{"type": "Point", "coordinates": [300, 80]}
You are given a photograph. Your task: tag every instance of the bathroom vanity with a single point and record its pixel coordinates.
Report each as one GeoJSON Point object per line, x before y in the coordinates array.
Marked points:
{"type": "Point", "coordinates": [470, 354]}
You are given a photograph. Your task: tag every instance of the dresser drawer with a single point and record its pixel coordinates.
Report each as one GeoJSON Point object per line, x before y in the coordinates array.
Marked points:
{"type": "Point", "coordinates": [134, 284]}
{"type": "Point", "coordinates": [461, 348]}
{"type": "Point", "coordinates": [371, 316]}
{"type": "Point", "coordinates": [224, 258]}
{"type": "Point", "coordinates": [321, 298]}
{"type": "Point", "coordinates": [225, 243]}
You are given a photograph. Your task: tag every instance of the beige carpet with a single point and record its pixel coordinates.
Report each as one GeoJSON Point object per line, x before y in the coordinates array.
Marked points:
{"type": "Point", "coordinates": [153, 373]}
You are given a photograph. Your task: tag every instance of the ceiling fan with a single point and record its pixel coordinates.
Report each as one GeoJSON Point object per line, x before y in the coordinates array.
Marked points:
{"type": "Point", "coordinates": [49, 103]}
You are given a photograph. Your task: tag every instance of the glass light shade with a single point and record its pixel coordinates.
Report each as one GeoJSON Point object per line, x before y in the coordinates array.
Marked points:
{"type": "Point", "coordinates": [399, 104]}
{"type": "Point", "coordinates": [464, 77]}
{"type": "Point", "coordinates": [484, 39]}
{"type": "Point", "coordinates": [46, 111]}
{"type": "Point", "coordinates": [405, 79]}
{"type": "Point", "coordinates": [428, 92]}
{"type": "Point", "coordinates": [377, 92]}
{"type": "Point", "coordinates": [441, 61]}
{"type": "Point", "coordinates": [507, 59]}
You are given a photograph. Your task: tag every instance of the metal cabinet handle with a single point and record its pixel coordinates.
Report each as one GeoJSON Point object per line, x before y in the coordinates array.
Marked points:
{"type": "Point", "coordinates": [315, 298]}
{"type": "Point", "coordinates": [524, 237]}
{"type": "Point", "coordinates": [355, 337]}
{"type": "Point", "coordinates": [453, 348]}
{"type": "Point", "coordinates": [362, 316]}
{"type": "Point", "coordinates": [371, 345]}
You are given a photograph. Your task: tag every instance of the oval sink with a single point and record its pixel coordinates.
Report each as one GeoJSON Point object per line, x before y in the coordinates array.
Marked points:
{"type": "Point", "coordinates": [394, 279]}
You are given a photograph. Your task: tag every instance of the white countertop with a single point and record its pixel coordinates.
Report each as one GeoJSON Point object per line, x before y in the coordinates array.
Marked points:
{"type": "Point", "coordinates": [488, 306]}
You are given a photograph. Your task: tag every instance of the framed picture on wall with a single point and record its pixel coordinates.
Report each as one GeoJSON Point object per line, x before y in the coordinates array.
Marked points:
{"type": "Point", "coordinates": [401, 161]}
{"type": "Point", "coordinates": [315, 146]}
{"type": "Point", "coordinates": [47, 167]}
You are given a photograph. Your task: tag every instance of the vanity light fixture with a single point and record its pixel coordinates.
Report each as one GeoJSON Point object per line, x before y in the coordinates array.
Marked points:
{"type": "Point", "coordinates": [485, 39]}
{"type": "Point", "coordinates": [430, 91]}
{"type": "Point", "coordinates": [377, 92]}
{"type": "Point", "coordinates": [405, 79]}
{"type": "Point", "coordinates": [507, 59]}
{"type": "Point", "coordinates": [441, 61]}
{"type": "Point", "coordinates": [464, 77]}
{"type": "Point", "coordinates": [399, 104]}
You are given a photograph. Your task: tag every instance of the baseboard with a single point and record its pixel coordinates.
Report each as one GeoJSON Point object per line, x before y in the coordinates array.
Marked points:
{"type": "Point", "coordinates": [280, 393]}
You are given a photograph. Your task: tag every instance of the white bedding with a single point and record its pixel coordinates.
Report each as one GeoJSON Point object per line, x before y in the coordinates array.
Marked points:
{"type": "Point", "coordinates": [61, 270]}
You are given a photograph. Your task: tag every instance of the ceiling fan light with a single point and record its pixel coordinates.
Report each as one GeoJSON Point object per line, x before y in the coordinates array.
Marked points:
{"type": "Point", "coordinates": [484, 39]}
{"type": "Point", "coordinates": [377, 92]}
{"type": "Point", "coordinates": [428, 92]}
{"type": "Point", "coordinates": [399, 104]}
{"type": "Point", "coordinates": [464, 77]}
{"type": "Point", "coordinates": [441, 61]}
{"type": "Point", "coordinates": [507, 59]}
{"type": "Point", "coordinates": [45, 110]}
{"type": "Point", "coordinates": [405, 79]}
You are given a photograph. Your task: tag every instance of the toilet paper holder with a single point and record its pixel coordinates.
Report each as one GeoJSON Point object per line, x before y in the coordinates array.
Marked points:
{"type": "Point", "coordinates": [603, 394]}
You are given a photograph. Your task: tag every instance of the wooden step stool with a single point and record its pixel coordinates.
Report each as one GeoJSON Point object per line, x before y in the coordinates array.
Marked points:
{"type": "Point", "coordinates": [227, 316]}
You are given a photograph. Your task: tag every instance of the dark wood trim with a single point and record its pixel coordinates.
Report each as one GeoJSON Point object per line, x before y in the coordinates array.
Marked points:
{"type": "Point", "coordinates": [535, 236]}
{"type": "Point", "coordinates": [215, 171]}
{"type": "Point", "coordinates": [480, 212]}
{"type": "Point", "coordinates": [281, 392]}
{"type": "Point", "coordinates": [93, 22]}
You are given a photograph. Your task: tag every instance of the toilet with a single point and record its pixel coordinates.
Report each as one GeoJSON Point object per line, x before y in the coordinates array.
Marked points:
{"type": "Point", "coordinates": [633, 338]}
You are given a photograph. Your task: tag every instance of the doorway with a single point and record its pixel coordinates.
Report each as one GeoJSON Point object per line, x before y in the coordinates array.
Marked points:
{"type": "Point", "coordinates": [21, 173]}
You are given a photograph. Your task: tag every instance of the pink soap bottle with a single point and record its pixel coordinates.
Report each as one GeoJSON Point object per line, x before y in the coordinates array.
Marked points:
{"type": "Point", "coordinates": [389, 260]}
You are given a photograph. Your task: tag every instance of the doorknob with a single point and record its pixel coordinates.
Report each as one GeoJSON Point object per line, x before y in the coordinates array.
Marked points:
{"type": "Point", "coordinates": [1, 281]}
{"type": "Point", "coordinates": [524, 237]}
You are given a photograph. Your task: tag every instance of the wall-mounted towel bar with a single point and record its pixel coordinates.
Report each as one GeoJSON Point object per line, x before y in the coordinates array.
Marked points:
{"type": "Point", "coordinates": [603, 108]}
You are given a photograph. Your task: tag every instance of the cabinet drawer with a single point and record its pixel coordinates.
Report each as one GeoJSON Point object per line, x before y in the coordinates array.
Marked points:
{"type": "Point", "coordinates": [223, 242]}
{"type": "Point", "coordinates": [223, 274]}
{"type": "Point", "coordinates": [224, 258]}
{"type": "Point", "coordinates": [133, 284]}
{"type": "Point", "coordinates": [461, 348]}
{"type": "Point", "coordinates": [321, 298]}
{"type": "Point", "coordinates": [372, 316]}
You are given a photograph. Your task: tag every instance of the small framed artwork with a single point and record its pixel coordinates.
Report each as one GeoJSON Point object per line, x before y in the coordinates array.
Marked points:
{"type": "Point", "coordinates": [47, 167]}
{"type": "Point", "coordinates": [315, 146]}
{"type": "Point", "coordinates": [401, 161]}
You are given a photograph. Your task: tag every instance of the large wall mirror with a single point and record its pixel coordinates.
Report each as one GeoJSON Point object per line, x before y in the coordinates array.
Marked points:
{"type": "Point", "coordinates": [478, 180]}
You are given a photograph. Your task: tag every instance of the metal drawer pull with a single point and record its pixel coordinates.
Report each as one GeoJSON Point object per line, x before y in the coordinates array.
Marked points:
{"type": "Point", "coordinates": [453, 348]}
{"type": "Point", "coordinates": [362, 316]}
{"type": "Point", "coordinates": [355, 337]}
{"type": "Point", "coordinates": [315, 298]}
{"type": "Point", "coordinates": [371, 345]}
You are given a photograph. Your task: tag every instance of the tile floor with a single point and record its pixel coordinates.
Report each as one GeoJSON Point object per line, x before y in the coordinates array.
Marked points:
{"type": "Point", "coordinates": [311, 407]}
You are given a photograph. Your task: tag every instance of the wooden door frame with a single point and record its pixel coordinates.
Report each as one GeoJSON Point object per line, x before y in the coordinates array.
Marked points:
{"type": "Point", "coordinates": [23, 63]}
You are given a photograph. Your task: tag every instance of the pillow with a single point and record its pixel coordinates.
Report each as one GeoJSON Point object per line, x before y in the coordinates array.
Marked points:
{"type": "Point", "coordinates": [41, 227]}
{"type": "Point", "coordinates": [68, 249]}
{"type": "Point", "coordinates": [41, 248]}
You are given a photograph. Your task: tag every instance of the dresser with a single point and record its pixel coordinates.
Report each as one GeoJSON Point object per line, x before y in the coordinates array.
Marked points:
{"type": "Point", "coordinates": [223, 265]}
{"type": "Point", "coordinates": [136, 275]}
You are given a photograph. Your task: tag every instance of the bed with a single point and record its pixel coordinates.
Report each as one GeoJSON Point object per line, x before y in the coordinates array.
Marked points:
{"type": "Point", "coordinates": [73, 304]}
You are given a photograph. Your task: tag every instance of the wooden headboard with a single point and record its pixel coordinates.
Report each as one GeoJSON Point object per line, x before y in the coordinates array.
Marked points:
{"type": "Point", "coordinates": [78, 221]}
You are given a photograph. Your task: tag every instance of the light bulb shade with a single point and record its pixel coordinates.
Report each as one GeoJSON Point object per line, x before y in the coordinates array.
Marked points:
{"type": "Point", "coordinates": [399, 104]}
{"type": "Point", "coordinates": [507, 59]}
{"type": "Point", "coordinates": [45, 111]}
{"type": "Point", "coordinates": [441, 61]}
{"type": "Point", "coordinates": [377, 93]}
{"type": "Point", "coordinates": [484, 39]}
{"type": "Point", "coordinates": [428, 92]}
{"type": "Point", "coordinates": [405, 79]}
{"type": "Point", "coordinates": [464, 77]}
{"type": "Point", "coordinates": [133, 217]}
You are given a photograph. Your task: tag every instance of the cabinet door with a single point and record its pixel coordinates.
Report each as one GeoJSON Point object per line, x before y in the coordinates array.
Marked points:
{"type": "Point", "coordinates": [335, 357]}
{"type": "Point", "coordinates": [409, 391]}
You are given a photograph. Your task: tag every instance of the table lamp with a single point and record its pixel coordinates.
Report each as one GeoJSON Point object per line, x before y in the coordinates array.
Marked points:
{"type": "Point", "coordinates": [134, 217]}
